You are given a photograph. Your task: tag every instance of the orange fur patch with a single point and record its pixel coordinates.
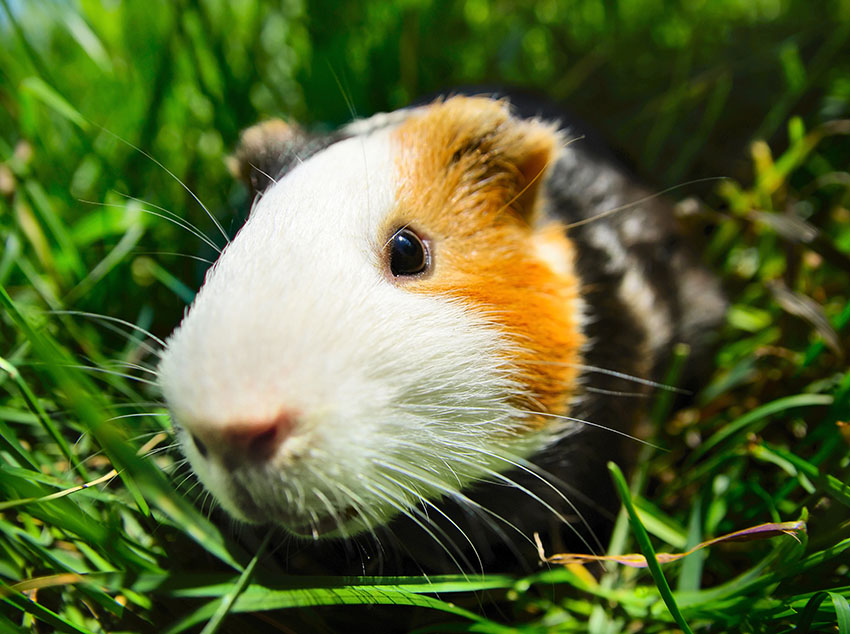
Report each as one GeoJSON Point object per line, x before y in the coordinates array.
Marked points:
{"type": "Point", "coordinates": [469, 182]}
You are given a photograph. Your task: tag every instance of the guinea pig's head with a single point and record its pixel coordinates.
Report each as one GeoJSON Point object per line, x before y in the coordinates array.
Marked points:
{"type": "Point", "coordinates": [394, 321]}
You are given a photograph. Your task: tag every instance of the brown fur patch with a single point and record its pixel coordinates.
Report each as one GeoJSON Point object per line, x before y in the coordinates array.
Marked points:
{"type": "Point", "coordinates": [259, 152]}
{"type": "Point", "coordinates": [469, 182]}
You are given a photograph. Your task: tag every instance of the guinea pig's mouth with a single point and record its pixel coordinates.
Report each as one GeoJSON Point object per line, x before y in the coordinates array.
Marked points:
{"type": "Point", "coordinates": [338, 524]}
{"type": "Point", "coordinates": [328, 526]}
{"type": "Point", "coordinates": [343, 522]}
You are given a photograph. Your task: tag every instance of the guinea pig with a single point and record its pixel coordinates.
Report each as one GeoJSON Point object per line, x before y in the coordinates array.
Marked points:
{"type": "Point", "coordinates": [422, 325]}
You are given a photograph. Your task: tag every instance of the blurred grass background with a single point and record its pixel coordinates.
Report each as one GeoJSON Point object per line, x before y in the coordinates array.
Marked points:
{"type": "Point", "coordinates": [755, 90]}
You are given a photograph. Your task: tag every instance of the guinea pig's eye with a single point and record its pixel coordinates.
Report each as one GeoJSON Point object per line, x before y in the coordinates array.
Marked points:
{"type": "Point", "coordinates": [408, 253]}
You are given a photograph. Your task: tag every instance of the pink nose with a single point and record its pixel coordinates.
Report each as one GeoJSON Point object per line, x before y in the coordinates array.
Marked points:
{"type": "Point", "coordinates": [243, 440]}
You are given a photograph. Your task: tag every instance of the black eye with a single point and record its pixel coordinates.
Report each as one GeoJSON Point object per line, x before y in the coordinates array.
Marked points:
{"type": "Point", "coordinates": [408, 253]}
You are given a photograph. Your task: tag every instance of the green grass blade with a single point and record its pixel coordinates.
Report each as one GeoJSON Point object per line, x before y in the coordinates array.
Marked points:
{"type": "Point", "coordinates": [642, 538]}
{"type": "Point", "coordinates": [51, 217]}
{"type": "Point", "coordinates": [57, 622]}
{"type": "Point", "coordinates": [750, 420]}
{"type": "Point", "coordinates": [259, 598]}
{"type": "Point", "coordinates": [809, 612]}
{"type": "Point", "coordinates": [690, 573]}
{"type": "Point", "coordinates": [227, 601]}
{"type": "Point", "coordinates": [32, 401]}
{"type": "Point", "coordinates": [53, 100]}
{"type": "Point", "coordinates": [136, 473]}
{"type": "Point", "coordinates": [842, 611]}
{"type": "Point", "coordinates": [125, 245]}
{"type": "Point", "coordinates": [9, 441]}
{"type": "Point", "coordinates": [830, 484]}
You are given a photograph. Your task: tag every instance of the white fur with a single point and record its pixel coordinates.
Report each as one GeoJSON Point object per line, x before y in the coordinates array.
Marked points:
{"type": "Point", "coordinates": [397, 393]}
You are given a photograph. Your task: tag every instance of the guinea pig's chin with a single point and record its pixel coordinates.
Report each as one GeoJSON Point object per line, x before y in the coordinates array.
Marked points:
{"type": "Point", "coordinates": [344, 522]}
{"type": "Point", "coordinates": [251, 504]}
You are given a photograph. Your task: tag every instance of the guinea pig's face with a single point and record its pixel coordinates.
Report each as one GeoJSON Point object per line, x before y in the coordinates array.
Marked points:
{"type": "Point", "coordinates": [391, 323]}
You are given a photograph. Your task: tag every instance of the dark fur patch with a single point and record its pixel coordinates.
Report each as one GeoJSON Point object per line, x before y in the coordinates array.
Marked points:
{"type": "Point", "coordinates": [268, 150]}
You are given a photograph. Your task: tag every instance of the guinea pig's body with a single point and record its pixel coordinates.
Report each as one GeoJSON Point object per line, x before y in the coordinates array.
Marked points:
{"type": "Point", "coordinates": [407, 332]}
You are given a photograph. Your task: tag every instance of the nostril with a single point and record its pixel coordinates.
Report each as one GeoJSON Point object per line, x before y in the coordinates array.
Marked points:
{"type": "Point", "coordinates": [259, 440]}
{"type": "Point", "coordinates": [201, 447]}
{"type": "Point", "coordinates": [236, 442]}
{"type": "Point", "coordinates": [263, 443]}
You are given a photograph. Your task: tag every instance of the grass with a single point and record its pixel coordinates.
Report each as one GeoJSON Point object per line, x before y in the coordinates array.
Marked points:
{"type": "Point", "coordinates": [756, 91]}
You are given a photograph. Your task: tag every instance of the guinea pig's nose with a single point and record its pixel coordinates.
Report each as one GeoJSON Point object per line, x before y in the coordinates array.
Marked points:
{"type": "Point", "coordinates": [244, 440]}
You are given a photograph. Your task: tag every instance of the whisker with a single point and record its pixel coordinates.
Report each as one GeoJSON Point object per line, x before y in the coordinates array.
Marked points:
{"type": "Point", "coordinates": [460, 498]}
{"type": "Point", "coordinates": [138, 415]}
{"type": "Point", "coordinates": [159, 450]}
{"type": "Point", "coordinates": [332, 510]}
{"type": "Point", "coordinates": [269, 176]}
{"type": "Point", "coordinates": [177, 254]}
{"type": "Point", "coordinates": [95, 369]}
{"type": "Point", "coordinates": [131, 338]}
{"type": "Point", "coordinates": [353, 112]}
{"type": "Point", "coordinates": [357, 504]}
{"type": "Point", "coordinates": [123, 322]}
{"type": "Point", "coordinates": [408, 511]}
{"type": "Point", "coordinates": [209, 501]}
{"type": "Point", "coordinates": [537, 176]}
{"type": "Point", "coordinates": [179, 464]}
{"type": "Point", "coordinates": [189, 476]}
{"type": "Point", "coordinates": [176, 220]}
{"type": "Point", "coordinates": [461, 432]}
{"type": "Point", "coordinates": [532, 470]}
{"type": "Point", "coordinates": [147, 434]}
{"type": "Point", "coordinates": [592, 424]}
{"type": "Point", "coordinates": [639, 201]}
{"type": "Point", "coordinates": [390, 239]}
{"type": "Point", "coordinates": [119, 406]}
{"type": "Point", "coordinates": [141, 343]}
{"type": "Point", "coordinates": [111, 474]}
{"type": "Point", "coordinates": [599, 390]}
{"type": "Point", "coordinates": [615, 373]}
{"type": "Point", "coordinates": [126, 364]}
{"type": "Point", "coordinates": [174, 176]}
{"type": "Point", "coordinates": [153, 442]}
{"type": "Point", "coordinates": [173, 216]}
{"type": "Point", "coordinates": [447, 518]}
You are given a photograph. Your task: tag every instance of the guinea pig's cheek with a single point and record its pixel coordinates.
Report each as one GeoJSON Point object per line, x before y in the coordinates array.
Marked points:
{"type": "Point", "coordinates": [540, 332]}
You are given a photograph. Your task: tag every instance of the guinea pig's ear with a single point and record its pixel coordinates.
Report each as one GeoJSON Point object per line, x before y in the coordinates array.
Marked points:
{"type": "Point", "coordinates": [522, 147]}
{"type": "Point", "coordinates": [265, 152]}
{"type": "Point", "coordinates": [530, 146]}
{"type": "Point", "coordinates": [487, 156]}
